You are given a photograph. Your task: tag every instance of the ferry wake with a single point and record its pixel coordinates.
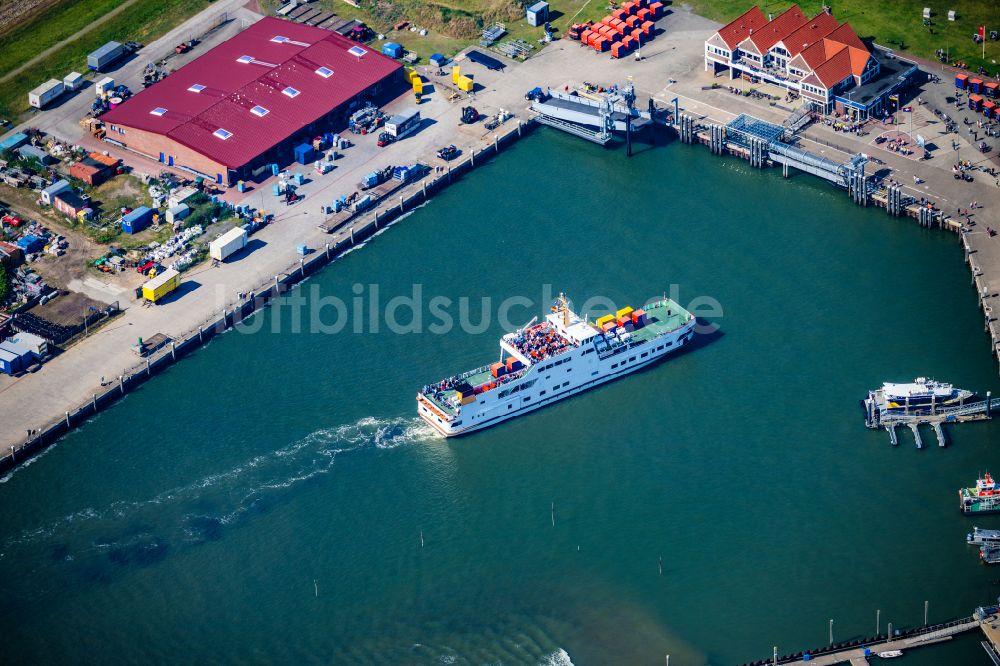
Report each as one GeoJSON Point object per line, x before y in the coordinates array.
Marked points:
{"type": "Point", "coordinates": [545, 362]}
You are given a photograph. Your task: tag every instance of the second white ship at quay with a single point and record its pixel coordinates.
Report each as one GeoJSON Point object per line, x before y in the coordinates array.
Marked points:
{"type": "Point", "coordinates": [544, 362]}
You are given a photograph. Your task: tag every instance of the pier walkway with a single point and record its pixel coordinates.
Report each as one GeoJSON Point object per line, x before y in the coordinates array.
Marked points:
{"type": "Point", "coordinates": [858, 652]}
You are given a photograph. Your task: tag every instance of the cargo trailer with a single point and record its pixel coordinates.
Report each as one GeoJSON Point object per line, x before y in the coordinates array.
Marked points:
{"type": "Point", "coordinates": [161, 285]}
{"type": "Point", "coordinates": [406, 122]}
{"type": "Point", "coordinates": [45, 93]}
{"type": "Point", "coordinates": [105, 56]}
{"type": "Point", "coordinates": [227, 244]}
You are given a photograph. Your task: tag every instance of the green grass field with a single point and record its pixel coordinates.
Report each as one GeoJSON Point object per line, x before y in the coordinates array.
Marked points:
{"type": "Point", "coordinates": [896, 24]}
{"type": "Point", "coordinates": [142, 22]}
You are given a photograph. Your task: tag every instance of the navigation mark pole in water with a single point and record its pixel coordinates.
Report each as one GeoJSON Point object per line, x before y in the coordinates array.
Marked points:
{"type": "Point", "coordinates": [661, 565]}
{"type": "Point", "coordinates": [421, 538]}
{"type": "Point", "coordinates": [553, 514]}
{"type": "Point", "coordinates": [316, 588]}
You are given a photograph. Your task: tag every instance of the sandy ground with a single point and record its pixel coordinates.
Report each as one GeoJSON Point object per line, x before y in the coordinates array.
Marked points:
{"type": "Point", "coordinates": [70, 379]}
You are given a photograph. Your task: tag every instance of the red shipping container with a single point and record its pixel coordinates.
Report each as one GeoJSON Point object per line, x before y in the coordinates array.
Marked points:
{"type": "Point", "coordinates": [615, 36]}
{"type": "Point", "coordinates": [617, 51]}
{"type": "Point", "coordinates": [603, 44]}
{"type": "Point", "coordinates": [632, 21]}
{"type": "Point", "coordinates": [607, 19]}
{"type": "Point", "coordinates": [631, 8]}
{"type": "Point", "coordinates": [642, 3]}
{"type": "Point", "coordinates": [585, 36]}
{"type": "Point", "coordinates": [656, 9]}
{"type": "Point", "coordinates": [637, 36]}
{"type": "Point", "coordinates": [620, 27]}
{"type": "Point", "coordinates": [620, 14]}
{"type": "Point", "coordinates": [629, 42]}
{"type": "Point", "coordinates": [643, 14]}
{"type": "Point", "coordinates": [647, 28]}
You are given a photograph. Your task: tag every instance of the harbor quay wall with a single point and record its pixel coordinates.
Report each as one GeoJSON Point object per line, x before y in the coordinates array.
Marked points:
{"type": "Point", "coordinates": [416, 194]}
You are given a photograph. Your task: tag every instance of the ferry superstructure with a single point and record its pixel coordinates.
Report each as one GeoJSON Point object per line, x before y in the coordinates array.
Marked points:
{"type": "Point", "coordinates": [544, 362]}
{"type": "Point", "coordinates": [983, 498]}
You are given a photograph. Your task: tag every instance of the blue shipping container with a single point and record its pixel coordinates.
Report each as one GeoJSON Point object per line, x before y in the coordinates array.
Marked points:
{"type": "Point", "coordinates": [14, 141]}
{"type": "Point", "coordinates": [392, 49]}
{"type": "Point", "coordinates": [137, 220]}
{"type": "Point", "coordinates": [304, 153]}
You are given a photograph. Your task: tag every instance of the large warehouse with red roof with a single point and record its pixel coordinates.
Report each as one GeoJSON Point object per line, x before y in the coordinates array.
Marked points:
{"type": "Point", "coordinates": [820, 58]}
{"type": "Point", "coordinates": [248, 101]}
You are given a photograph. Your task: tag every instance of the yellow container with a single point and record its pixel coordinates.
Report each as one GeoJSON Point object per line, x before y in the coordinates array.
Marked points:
{"type": "Point", "coordinates": [466, 399]}
{"type": "Point", "coordinates": [464, 83]}
{"type": "Point", "coordinates": [604, 320]}
{"type": "Point", "coordinates": [625, 311]}
{"type": "Point", "coordinates": [161, 285]}
{"type": "Point", "coordinates": [455, 73]}
{"type": "Point", "coordinates": [418, 86]}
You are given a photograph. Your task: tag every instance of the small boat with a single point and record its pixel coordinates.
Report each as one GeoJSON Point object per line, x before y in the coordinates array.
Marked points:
{"type": "Point", "coordinates": [981, 537]}
{"type": "Point", "coordinates": [890, 654]}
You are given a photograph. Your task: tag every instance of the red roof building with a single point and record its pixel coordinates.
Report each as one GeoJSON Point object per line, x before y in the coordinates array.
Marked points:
{"type": "Point", "coordinates": [246, 101]}
{"type": "Point", "coordinates": [815, 57]}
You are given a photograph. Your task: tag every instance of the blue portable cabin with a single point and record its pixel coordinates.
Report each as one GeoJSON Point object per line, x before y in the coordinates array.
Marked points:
{"type": "Point", "coordinates": [438, 60]}
{"type": "Point", "coordinates": [304, 154]}
{"type": "Point", "coordinates": [537, 14]}
{"type": "Point", "coordinates": [392, 49]}
{"type": "Point", "coordinates": [137, 220]}
{"type": "Point", "coordinates": [14, 357]}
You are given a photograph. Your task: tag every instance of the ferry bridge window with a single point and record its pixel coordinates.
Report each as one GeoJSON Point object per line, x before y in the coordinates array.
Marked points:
{"type": "Point", "coordinates": [644, 355]}
{"type": "Point", "coordinates": [615, 365]}
{"type": "Point", "coordinates": [632, 358]}
{"type": "Point", "coordinates": [541, 394]}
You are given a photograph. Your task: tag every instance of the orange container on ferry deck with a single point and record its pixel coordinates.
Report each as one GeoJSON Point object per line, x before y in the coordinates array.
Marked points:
{"type": "Point", "coordinates": [498, 370]}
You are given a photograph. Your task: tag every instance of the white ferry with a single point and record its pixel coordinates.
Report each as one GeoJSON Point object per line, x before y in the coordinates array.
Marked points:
{"type": "Point", "coordinates": [554, 359]}
{"type": "Point", "coordinates": [922, 395]}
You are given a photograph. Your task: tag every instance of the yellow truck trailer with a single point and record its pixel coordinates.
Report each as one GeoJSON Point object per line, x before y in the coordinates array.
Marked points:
{"type": "Point", "coordinates": [161, 285]}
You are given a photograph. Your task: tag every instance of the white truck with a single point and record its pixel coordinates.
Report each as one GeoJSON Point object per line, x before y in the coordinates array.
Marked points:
{"type": "Point", "coordinates": [45, 93]}
{"type": "Point", "coordinates": [225, 245]}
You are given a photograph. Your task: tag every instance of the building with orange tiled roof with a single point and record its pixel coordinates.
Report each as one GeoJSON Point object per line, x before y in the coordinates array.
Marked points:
{"type": "Point", "coordinates": [819, 58]}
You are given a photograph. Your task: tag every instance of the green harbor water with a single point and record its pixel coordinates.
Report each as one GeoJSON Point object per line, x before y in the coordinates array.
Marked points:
{"type": "Point", "coordinates": [274, 499]}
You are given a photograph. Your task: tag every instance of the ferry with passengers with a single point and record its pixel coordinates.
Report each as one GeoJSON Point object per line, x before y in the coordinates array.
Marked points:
{"type": "Point", "coordinates": [561, 356]}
